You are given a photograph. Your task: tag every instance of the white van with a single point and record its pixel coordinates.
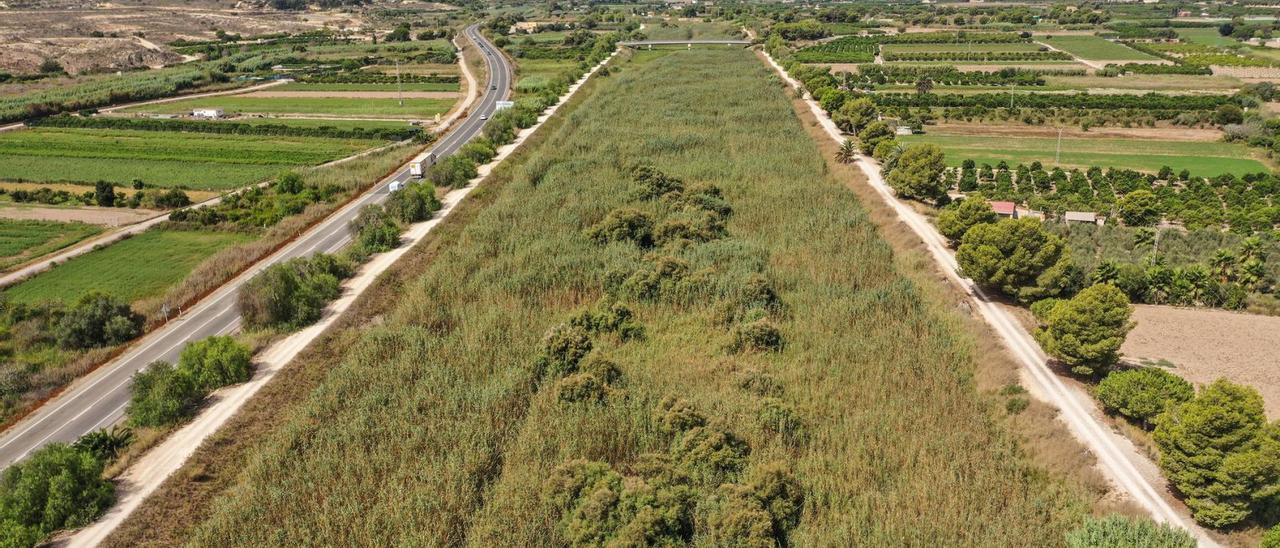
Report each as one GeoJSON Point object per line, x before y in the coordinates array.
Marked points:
{"type": "Point", "coordinates": [394, 186]}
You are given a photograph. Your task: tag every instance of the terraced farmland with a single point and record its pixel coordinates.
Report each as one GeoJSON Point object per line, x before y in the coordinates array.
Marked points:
{"type": "Point", "coordinates": [194, 160]}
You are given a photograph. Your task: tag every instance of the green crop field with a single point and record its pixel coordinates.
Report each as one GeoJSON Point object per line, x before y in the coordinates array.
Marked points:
{"type": "Point", "coordinates": [333, 106]}
{"type": "Point", "coordinates": [1094, 48]}
{"type": "Point", "coordinates": [346, 86]}
{"type": "Point", "coordinates": [194, 160]}
{"type": "Point", "coordinates": [1206, 36]}
{"type": "Point", "coordinates": [137, 268]}
{"type": "Point", "coordinates": [869, 406]}
{"type": "Point", "coordinates": [22, 240]}
{"type": "Point", "coordinates": [1205, 159]}
{"type": "Point", "coordinates": [534, 74]}
{"type": "Point", "coordinates": [684, 30]}
{"type": "Point", "coordinates": [322, 122]}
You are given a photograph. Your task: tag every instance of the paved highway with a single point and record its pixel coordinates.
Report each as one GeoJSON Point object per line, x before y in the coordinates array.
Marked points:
{"type": "Point", "coordinates": [98, 400]}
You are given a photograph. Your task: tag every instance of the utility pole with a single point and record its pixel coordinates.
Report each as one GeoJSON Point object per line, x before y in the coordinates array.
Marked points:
{"type": "Point", "coordinates": [1057, 157]}
{"type": "Point", "coordinates": [399, 91]}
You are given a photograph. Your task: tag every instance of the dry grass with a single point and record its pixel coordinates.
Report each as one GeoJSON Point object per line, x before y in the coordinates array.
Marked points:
{"type": "Point", "coordinates": [429, 431]}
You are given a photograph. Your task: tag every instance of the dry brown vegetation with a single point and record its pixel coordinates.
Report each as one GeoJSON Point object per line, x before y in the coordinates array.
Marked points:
{"type": "Point", "coordinates": [441, 425]}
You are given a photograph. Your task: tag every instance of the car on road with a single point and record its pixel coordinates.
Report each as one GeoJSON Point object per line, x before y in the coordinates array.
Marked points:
{"type": "Point", "coordinates": [484, 116]}
{"type": "Point", "coordinates": [493, 87]}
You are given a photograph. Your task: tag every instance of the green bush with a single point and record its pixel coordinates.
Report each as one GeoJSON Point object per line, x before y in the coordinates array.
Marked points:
{"type": "Point", "coordinates": [563, 348]}
{"type": "Point", "coordinates": [624, 225]}
{"type": "Point", "coordinates": [414, 203]}
{"type": "Point", "coordinates": [674, 416]}
{"type": "Point", "coordinates": [97, 320]}
{"type": "Point", "coordinates": [294, 293]}
{"type": "Point", "coordinates": [57, 487]}
{"type": "Point", "coordinates": [376, 230]}
{"type": "Point", "coordinates": [1115, 530]}
{"type": "Point", "coordinates": [452, 172]}
{"type": "Point", "coordinates": [1272, 538]}
{"type": "Point", "coordinates": [216, 361]}
{"type": "Point", "coordinates": [163, 395]}
{"type": "Point", "coordinates": [105, 444]}
{"type": "Point", "coordinates": [1141, 394]}
{"type": "Point", "coordinates": [779, 418]}
{"type": "Point", "coordinates": [757, 336]}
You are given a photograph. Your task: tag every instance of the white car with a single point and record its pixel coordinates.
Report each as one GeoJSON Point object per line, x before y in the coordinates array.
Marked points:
{"type": "Point", "coordinates": [484, 116]}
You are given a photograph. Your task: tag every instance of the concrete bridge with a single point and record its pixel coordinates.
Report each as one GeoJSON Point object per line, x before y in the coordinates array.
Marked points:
{"type": "Point", "coordinates": [691, 43]}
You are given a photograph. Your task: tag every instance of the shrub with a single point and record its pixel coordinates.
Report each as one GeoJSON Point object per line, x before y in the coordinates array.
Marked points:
{"type": "Point", "coordinates": [780, 418]}
{"type": "Point", "coordinates": [97, 320]}
{"type": "Point", "coordinates": [414, 203]}
{"type": "Point", "coordinates": [1086, 331]}
{"type": "Point", "coordinates": [1272, 538]}
{"type": "Point", "coordinates": [162, 395]}
{"type": "Point", "coordinates": [1221, 455]}
{"type": "Point", "coordinates": [613, 318]}
{"type": "Point", "coordinates": [57, 487]}
{"type": "Point", "coordinates": [216, 361]}
{"type": "Point", "coordinates": [563, 348]}
{"type": "Point", "coordinates": [1141, 394]}
{"type": "Point", "coordinates": [452, 172]}
{"type": "Point", "coordinates": [758, 336]}
{"type": "Point", "coordinates": [376, 230]}
{"type": "Point", "coordinates": [624, 225]}
{"type": "Point", "coordinates": [597, 506]}
{"type": "Point", "coordinates": [581, 388]}
{"type": "Point", "coordinates": [759, 383]}
{"type": "Point", "coordinates": [294, 293]}
{"type": "Point", "coordinates": [1017, 257]}
{"type": "Point", "coordinates": [479, 151]}
{"type": "Point", "coordinates": [958, 217]}
{"type": "Point", "coordinates": [675, 415]}
{"type": "Point", "coordinates": [105, 444]}
{"type": "Point", "coordinates": [710, 456]}
{"type": "Point", "coordinates": [1115, 530]}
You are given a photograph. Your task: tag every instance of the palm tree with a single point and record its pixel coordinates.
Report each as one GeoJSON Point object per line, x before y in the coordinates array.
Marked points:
{"type": "Point", "coordinates": [848, 151]}
{"type": "Point", "coordinates": [924, 85]}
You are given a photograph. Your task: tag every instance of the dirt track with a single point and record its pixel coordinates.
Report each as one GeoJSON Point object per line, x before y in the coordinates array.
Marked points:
{"type": "Point", "coordinates": [356, 94]}
{"type": "Point", "coordinates": [1206, 344]}
{"type": "Point", "coordinates": [106, 216]}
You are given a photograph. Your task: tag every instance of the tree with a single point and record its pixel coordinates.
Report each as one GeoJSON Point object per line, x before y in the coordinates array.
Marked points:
{"type": "Point", "coordinates": [96, 320]}
{"type": "Point", "coordinates": [1141, 394]}
{"type": "Point", "coordinates": [1221, 455]}
{"type": "Point", "coordinates": [216, 361]}
{"type": "Point", "coordinates": [1228, 114]}
{"type": "Point", "coordinates": [454, 171]}
{"type": "Point", "coordinates": [1017, 257]}
{"type": "Point", "coordinates": [57, 487]}
{"type": "Point", "coordinates": [162, 395]}
{"type": "Point", "coordinates": [50, 66]}
{"type": "Point", "coordinates": [289, 182]}
{"type": "Point", "coordinates": [1116, 530]}
{"type": "Point", "coordinates": [924, 85]}
{"type": "Point", "coordinates": [1139, 208]}
{"type": "Point", "coordinates": [399, 34]}
{"type": "Point", "coordinates": [918, 174]}
{"type": "Point", "coordinates": [871, 135]}
{"type": "Point", "coordinates": [958, 217]}
{"type": "Point", "coordinates": [104, 194]}
{"type": "Point", "coordinates": [848, 152]}
{"type": "Point", "coordinates": [854, 115]}
{"type": "Point", "coordinates": [1086, 331]}
{"type": "Point", "coordinates": [293, 293]}
{"type": "Point", "coordinates": [375, 229]}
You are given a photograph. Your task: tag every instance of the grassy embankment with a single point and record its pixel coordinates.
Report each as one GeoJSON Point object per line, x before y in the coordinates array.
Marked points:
{"type": "Point", "coordinates": [1204, 159]}
{"type": "Point", "coordinates": [21, 241]}
{"type": "Point", "coordinates": [162, 158]}
{"type": "Point", "coordinates": [431, 429]}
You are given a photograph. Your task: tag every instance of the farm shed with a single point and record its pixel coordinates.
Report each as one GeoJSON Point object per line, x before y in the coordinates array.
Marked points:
{"type": "Point", "coordinates": [1087, 217]}
{"type": "Point", "coordinates": [1005, 209]}
{"type": "Point", "coordinates": [207, 113]}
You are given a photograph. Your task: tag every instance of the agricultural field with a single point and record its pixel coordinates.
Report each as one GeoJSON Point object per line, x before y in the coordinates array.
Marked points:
{"type": "Point", "coordinates": [1204, 159]}
{"type": "Point", "coordinates": [1206, 36]}
{"type": "Point", "coordinates": [23, 241]}
{"type": "Point", "coordinates": [685, 30]}
{"type": "Point", "coordinates": [137, 268]}
{"type": "Point", "coordinates": [192, 160]}
{"type": "Point", "coordinates": [534, 74]}
{"type": "Point", "coordinates": [340, 124]}
{"type": "Point", "coordinates": [406, 86]}
{"type": "Point", "coordinates": [675, 397]}
{"type": "Point", "coordinates": [962, 48]}
{"type": "Point", "coordinates": [1094, 48]}
{"type": "Point", "coordinates": [387, 107]}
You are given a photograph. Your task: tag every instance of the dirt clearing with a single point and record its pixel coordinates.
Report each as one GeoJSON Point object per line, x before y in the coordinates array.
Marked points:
{"type": "Point", "coordinates": [1205, 344]}
{"type": "Point", "coordinates": [356, 94]}
{"type": "Point", "coordinates": [104, 216]}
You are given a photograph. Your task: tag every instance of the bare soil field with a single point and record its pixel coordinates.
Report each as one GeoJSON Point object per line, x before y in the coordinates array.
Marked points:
{"type": "Point", "coordinates": [1172, 133]}
{"type": "Point", "coordinates": [1248, 73]}
{"type": "Point", "coordinates": [104, 216]}
{"type": "Point", "coordinates": [29, 36]}
{"type": "Point", "coordinates": [356, 94]}
{"type": "Point", "coordinates": [1205, 344]}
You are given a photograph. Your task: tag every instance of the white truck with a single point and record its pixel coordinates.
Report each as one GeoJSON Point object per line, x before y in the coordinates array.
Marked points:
{"type": "Point", "coordinates": [415, 168]}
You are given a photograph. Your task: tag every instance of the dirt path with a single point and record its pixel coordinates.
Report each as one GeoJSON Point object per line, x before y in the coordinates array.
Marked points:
{"type": "Point", "coordinates": [1204, 345]}
{"type": "Point", "coordinates": [356, 94]}
{"type": "Point", "coordinates": [266, 85]}
{"type": "Point", "coordinates": [1092, 64]}
{"type": "Point", "coordinates": [1131, 472]}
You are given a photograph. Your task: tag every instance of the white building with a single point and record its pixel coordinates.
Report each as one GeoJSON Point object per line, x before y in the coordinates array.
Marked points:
{"type": "Point", "coordinates": [207, 113]}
